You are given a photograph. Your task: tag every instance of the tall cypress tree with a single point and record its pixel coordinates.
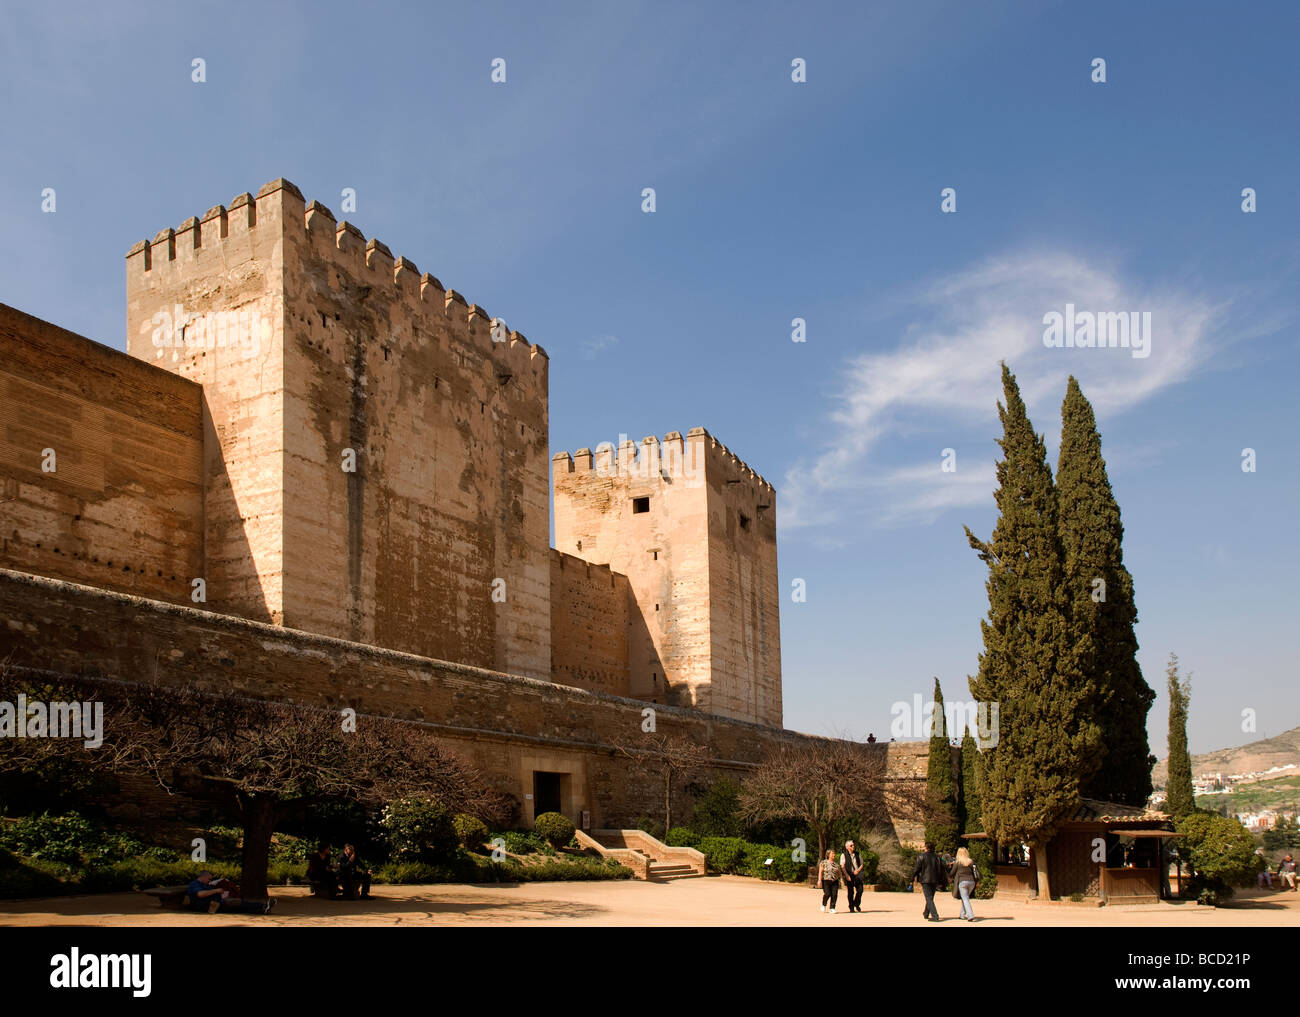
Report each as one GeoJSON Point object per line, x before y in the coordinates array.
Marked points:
{"type": "Point", "coordinates": [1047, 741]}
{"type": "Point", "coordinates": [941, 826]}
{"type": "Point", "coordinates": [1102, 609]}
{"type": "Point", "coordinates": [971, 808]}
{"type": "Point", "coordinates": [1180, 800]}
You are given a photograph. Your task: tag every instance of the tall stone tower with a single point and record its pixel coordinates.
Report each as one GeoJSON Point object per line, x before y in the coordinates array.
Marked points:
{"type": "Point", "coordinates": [694, 529]}
{"type": "Point", "coordinates": [375, 447]}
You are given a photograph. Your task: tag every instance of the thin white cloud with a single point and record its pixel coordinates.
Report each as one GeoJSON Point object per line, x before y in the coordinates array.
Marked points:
{"type": "Point", "coordinates": [943, 377]}
{"type": "Point", "coordinates": [591, 348]}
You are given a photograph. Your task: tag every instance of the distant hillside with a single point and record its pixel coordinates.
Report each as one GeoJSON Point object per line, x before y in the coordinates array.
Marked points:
{"type": "Point", "coordinates": [1260, 755]}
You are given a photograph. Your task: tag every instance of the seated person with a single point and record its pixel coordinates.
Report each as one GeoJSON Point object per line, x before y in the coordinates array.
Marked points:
{"type": "Point", "coordinates": [352, 876]}
{"type": "Point", "coordinates": [323, 879]}
{"type": "Point", "coordinates": [1287, 872]}
{"type": "Point", "coordinates": [203, 894]}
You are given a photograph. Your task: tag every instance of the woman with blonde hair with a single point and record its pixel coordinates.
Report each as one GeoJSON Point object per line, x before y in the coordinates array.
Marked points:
{"type": "Point", "coordinates": [964, 874]}
{"type": "Point", "coordinates": [828, 879]}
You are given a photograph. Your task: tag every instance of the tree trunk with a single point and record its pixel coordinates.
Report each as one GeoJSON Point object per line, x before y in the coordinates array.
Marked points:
{"type": "Point", "coordinates": [668, 802]}
{"type": "Point", "coordinates": [1040, 860]}
{"type": "Point", "coordinates": [259, 815]}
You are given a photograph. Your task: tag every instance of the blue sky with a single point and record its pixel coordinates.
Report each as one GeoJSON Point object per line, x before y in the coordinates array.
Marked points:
{"type": "Point", "coordinates": [778, 200]}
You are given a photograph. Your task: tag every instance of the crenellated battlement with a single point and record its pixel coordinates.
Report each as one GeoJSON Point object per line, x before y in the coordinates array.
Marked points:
{"type": "Point", "coordinates": [671, 457]}
{"type": "Point", "coordinates": [225, 234]}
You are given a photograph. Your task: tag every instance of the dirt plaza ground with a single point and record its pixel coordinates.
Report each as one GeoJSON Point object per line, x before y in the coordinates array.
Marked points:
{"type": "Point", "coordinates": [708, 901]}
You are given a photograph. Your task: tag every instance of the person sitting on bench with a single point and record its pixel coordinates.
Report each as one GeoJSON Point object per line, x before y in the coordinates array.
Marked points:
{"type": "Point", "coordinates": [202, 895]}
{"type": "Point", "coordinates": [352, 876]}
{"type": "Point", "coordinates": [323, 879]}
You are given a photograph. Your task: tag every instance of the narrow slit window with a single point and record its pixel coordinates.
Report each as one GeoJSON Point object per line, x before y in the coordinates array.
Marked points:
{"type": "Point", "coordinates": [744, 521]}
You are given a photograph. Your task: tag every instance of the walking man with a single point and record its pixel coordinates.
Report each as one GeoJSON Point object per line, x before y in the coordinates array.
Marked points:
{"type": "Point", "coordinates": [929, 872]}
{"type": "Point", "coordinates": [851, 865]}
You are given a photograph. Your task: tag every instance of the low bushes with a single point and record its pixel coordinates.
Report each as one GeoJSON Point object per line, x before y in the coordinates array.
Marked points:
{"type": "Point", "coordinates": [555, 829]}
{"type": "Point", "coordinates": [420, 830]}
{"type": "Point", "coordinates": [740, 857]}
{"type": "Point", "coordinates": [470, 831]}
{"type": "Point", "coordinates": [680, 836]}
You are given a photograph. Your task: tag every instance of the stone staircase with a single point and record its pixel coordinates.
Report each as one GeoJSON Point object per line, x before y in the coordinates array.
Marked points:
{"type": "Point", "coordinates": [647, 857]}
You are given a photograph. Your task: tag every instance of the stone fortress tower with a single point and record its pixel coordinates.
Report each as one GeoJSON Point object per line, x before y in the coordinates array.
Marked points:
{"type": "Point", "coordinates": [694, 530]}
{"type": "Point", "coordinates": [376, 457]}
{"type": "Point", "coordinates": [362, 454]}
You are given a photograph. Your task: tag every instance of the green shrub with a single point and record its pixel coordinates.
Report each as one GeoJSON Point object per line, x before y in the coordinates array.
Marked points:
{"type": "Point", "coordinates": [520, 842]}
{"type": "Point", "coordinates": [471, 832]}
{"type": "Point", "coordinates": [286, 873]}
{"type": "Point", "coordinates": [555, 829]}
{"type": "Point", "coordinates": [1221, 852]}
{"type": "Point", "coordinates": [420, 830]}
{"type": "Point", "coordinates": [468, 868]}
{"type": "Point", "coordinates": [53, 838]}
{"type": "Point", "coordinates": [290, 850]}
{"type": "Point", "coordinates": [680, 836]}
{"type": "Point", "coordinates": [724, 854]}
{"type": "Point", "coordinates": [717, 811]}
{"type": "Point", "coordinates": [653, 827]}
{"type": "Point", "coordinates": [784, 867]}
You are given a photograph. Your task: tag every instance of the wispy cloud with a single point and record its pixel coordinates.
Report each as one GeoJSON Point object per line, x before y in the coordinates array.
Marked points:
{"type": "Point", "coordinates": [591, 348]}
{"type": "Point", "coordinates": [942, 377]}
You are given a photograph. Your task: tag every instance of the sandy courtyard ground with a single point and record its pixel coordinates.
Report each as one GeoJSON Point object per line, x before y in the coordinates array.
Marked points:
{"type": "Point", "coordinates": [713, 900]}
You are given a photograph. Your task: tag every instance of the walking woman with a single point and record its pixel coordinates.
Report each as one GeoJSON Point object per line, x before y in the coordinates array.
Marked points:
{"type": "Point", "coordinates": [964, 874]}
{"type": "Point", "coordinates": [828, 878]}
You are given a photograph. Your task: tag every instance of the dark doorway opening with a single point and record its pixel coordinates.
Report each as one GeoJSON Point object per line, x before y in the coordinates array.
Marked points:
{"type": "Point", "coordinates": [546, 792]}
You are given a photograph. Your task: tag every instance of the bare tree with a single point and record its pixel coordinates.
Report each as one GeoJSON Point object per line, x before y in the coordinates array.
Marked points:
{"type": "Point", "coordinates": [822, 782]}
{"type": "Point", "coordinates": [677, 757]}
{"type": "Point", "coordinates": [261, 761]}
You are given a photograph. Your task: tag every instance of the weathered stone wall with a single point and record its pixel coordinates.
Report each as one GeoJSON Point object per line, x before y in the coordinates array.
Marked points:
{"type": "Point", "coordinates": [509, 726]}
{"type": "Point", "coordinates": [123, 508]}
{"type": "Point", "coordinates": [589, 625]}
{"type": "Point", "coordinates": [744, 593]}
{"type": "Point", "coordinates": [357, 354]}
{"type": "Point", "coordinates": [230, 264]}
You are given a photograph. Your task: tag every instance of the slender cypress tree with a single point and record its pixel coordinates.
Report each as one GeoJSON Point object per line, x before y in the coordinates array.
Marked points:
{"type": "Point", "coordinates": [941, 826]}
{"type": "Point", "coordinates": [971, 809]}
{"type": "Point", "coordinates": [1047, 741]}
{"type": "Point", "coordinates": [1102, 609]}
{"type": "Point", "coordinates": [1180, 800]}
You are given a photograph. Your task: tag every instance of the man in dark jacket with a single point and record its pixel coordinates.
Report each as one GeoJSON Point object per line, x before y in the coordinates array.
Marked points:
{"type": "Point", "coordinates": [929, 872]}
{"type": "Point", "coordinates": [851, 864]}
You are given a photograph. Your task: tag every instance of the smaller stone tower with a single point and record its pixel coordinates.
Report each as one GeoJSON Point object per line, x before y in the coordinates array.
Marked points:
{"type": "Point", "coordinates": [694, 530]}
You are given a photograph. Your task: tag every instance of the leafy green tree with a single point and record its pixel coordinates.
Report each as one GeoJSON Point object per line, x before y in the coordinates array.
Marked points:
{"type": "Point", "coordinates": [1180, 801]}
{"type": "Point", "coordinates": [941, 821]}
{"type": "Point", "coordinates": [1221, 852]}
{"type": "Point", "coordinates": [1048, 742]}
{"type": "Point", "coordinates": [1102, 609]}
